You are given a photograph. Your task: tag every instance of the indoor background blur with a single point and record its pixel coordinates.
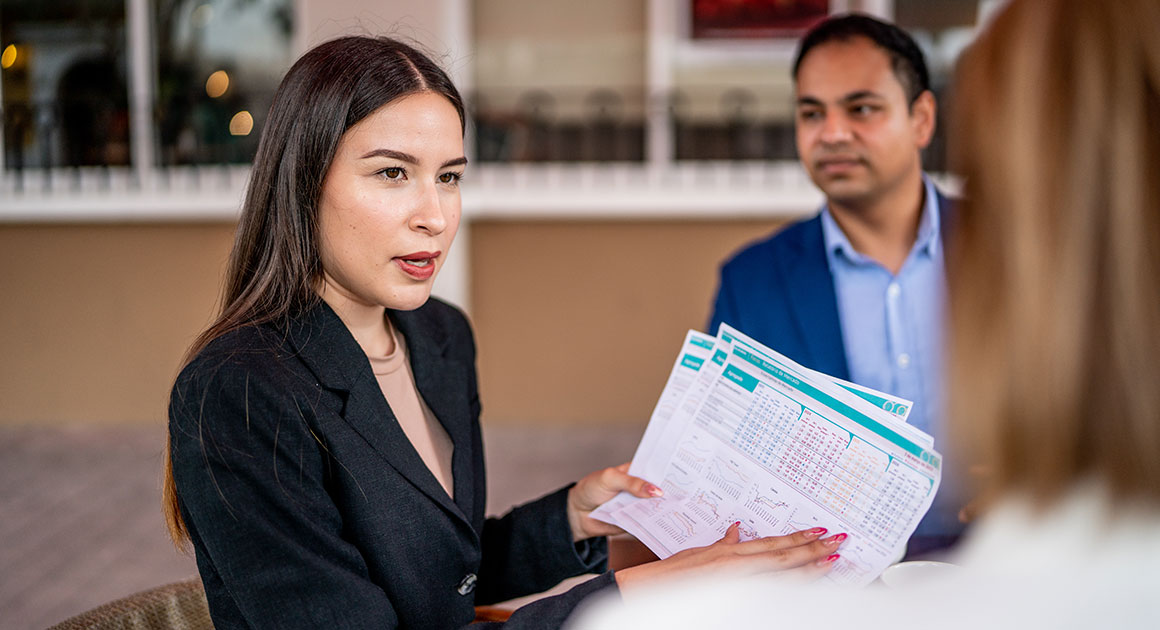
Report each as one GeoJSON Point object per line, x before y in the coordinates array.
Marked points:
{"type": "Point", "coordinates": [620, 150]}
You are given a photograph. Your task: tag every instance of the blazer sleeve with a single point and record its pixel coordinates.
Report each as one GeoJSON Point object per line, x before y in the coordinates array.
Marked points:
{"type": "Point", "coordinates": [252, 479]}
{"type": "Point", "coordinates": [530, 550]}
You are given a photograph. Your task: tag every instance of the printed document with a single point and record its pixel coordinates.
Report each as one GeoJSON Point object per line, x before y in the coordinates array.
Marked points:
{"type": "Point", "coordinates": [742, 433]}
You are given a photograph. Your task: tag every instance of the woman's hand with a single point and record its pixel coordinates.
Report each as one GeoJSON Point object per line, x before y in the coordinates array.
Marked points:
{"type": "Point", "coordinates": [593, 490]}
{"type": "Point", "coordinates": [805, 553]}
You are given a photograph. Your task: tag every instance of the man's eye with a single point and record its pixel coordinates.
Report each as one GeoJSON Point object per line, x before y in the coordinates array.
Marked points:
{"type": "Point", "coordinates": [811, 114]}
{"type": "Point", "coordinates": [862, 110]}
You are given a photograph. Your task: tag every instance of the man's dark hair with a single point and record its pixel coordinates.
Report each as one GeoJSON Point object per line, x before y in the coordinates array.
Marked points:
{"type": "Point", "coordinates": [905, 56]}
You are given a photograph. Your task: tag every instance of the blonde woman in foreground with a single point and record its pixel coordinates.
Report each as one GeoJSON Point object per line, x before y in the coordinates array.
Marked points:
{"type": "Point", "coordinates": [1054, 344]}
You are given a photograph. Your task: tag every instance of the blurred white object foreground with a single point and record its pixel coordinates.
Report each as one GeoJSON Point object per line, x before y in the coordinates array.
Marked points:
{"type": "Point", "coordinates": [1074, 565]}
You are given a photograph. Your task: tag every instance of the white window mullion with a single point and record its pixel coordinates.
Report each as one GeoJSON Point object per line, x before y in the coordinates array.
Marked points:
{"type": "Point", "coordinates": [660, 39]}
{"type": "Point", "coordinates": [141, 128]}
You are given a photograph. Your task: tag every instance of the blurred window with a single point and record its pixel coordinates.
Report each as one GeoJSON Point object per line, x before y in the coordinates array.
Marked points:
{"type": "Point", "coordinates": [64, 83]}
{"type": "Point", "coordinates": [733, 100]}
{"type": "Point", "coordinates": [942, 28]}
{"type": "Point", "coordinates": [218, 64]}
{"type": "Point", "coordinates": [64, 79]}
{"type": "Point", "coordinates": [558, 80]}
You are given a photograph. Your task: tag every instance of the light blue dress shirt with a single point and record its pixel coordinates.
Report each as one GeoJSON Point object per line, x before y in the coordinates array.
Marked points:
{"type": "Point", "coordinates": [892, 326]}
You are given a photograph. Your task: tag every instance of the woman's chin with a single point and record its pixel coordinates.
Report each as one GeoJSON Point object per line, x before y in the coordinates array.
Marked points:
{"type": "Point", "coordinates": [410, 300]}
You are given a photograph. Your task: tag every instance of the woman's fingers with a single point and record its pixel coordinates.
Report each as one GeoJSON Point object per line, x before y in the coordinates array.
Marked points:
{"type": "Point", "coordinates": [615, 480]}
{"type": "Point", "coordinates": [598, 487]}
{"type": "Point", "coordinates": [772, 554]}
{"type": "Point", "coordinates": [774, 543]}
{"type": "Point", "coordinates": [811, 571]}
{"type": "Point", "coordinates": [804, 555]}
{"type": "Point", "coordinates": [732, 534]}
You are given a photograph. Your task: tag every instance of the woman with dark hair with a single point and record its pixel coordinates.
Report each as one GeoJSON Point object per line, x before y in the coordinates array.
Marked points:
{"type": "Point", "coordinates": [324, 454]}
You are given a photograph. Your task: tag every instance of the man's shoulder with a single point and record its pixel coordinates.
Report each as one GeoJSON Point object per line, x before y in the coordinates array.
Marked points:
{"type": "Point", "coordinates": [787, 241]}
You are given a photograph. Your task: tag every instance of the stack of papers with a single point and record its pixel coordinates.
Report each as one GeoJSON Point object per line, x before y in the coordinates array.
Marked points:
{"type": "Point", "coordinates": [742, 433]}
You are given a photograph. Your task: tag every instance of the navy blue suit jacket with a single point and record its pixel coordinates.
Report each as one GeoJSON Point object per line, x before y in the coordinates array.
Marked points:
{"type": "Point", "coordinates": [780, 291]}
{"type": "Point", "coordinates": [309, 508]}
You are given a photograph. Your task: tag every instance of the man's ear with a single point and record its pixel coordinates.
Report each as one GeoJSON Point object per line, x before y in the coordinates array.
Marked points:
{"type": "Point", "coordinates": [923, 113]}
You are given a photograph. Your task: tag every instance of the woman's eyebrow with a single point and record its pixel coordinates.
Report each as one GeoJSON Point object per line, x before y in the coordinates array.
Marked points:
{"type": "Point", "coordinates": [408, 158]}
{"type": "Point", "coordinates": [390, 153]}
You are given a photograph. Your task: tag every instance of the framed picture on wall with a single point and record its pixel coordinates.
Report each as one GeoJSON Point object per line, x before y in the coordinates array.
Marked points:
{"type": "Point", "coordinates": [756, 19]}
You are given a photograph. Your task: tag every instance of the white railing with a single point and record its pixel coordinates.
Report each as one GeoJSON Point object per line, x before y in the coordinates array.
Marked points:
{"type": "Point", "coordinates": [540, 191]}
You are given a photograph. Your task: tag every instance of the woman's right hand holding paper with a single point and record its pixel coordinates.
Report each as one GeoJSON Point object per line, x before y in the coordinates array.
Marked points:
{"type": "Point", "coordinates": [806, 554]}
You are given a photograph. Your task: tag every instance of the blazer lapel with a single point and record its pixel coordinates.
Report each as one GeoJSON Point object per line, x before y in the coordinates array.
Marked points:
{"type": "Point", "coordinates": [440, 380]}
{"type": "Point", "coordinates": [814, 304]}
{"type": "Point", "coordinates": [331, 352]}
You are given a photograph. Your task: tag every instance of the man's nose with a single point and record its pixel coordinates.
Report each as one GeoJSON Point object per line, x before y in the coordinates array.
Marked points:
{"type": "Point", "coordinates": [836, 129]}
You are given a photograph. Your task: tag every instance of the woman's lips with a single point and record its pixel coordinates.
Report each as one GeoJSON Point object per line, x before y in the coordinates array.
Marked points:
{"type": "Point", "coordinates": [419, 265]}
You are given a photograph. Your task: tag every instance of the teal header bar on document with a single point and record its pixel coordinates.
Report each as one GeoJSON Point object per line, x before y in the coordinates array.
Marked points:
{"type": "Point", "coordinates": [741, 378]}
{"type": "Point", "coordinates": [692, 362]}
{"type": "Point", "coordinates": [703, 343]}
{"type": "Point", "coordinates": [833, 403]}
{"type": "Point", "coordinates": [877, 401]}
{"type": "Point", "coordinates": [719, 357]}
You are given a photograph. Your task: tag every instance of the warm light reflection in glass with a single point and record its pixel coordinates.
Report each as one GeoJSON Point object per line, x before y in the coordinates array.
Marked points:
{"type": "Point", "coordinates": [8, 57]}
{"type": "Point", "coordinates": [241, 124]}
{"type": "Point", "coordinates": [217, 84]}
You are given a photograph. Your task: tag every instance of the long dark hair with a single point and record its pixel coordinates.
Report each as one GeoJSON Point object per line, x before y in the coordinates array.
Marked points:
{"type": "Point", "coordinates": [275, 264]}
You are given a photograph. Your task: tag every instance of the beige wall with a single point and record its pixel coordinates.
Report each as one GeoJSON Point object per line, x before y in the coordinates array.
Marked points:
{"type": "Point", "coordinates": [579, 322]}
{"type": "Point", "coordinates": [95, 318]}
{"type": "Point", "coordinates": [576, 321]}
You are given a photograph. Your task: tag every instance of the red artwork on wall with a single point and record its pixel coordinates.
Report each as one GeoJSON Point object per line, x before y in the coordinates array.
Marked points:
{"type": "Point", "coordinates": [755, 19]}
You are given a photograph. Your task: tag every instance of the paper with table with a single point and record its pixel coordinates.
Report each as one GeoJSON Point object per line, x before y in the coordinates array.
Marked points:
{"type": "Point", "coordinates": [742, 433]}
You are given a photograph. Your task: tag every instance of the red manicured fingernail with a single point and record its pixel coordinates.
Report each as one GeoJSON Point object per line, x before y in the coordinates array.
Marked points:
{"type": "Point", "coordinates": [834, 541]}
{"type": "Point", "coordinates": [736, 523]}
{"type": "Point", "coordinates": [818, 531]}
{"type": "Point", "coordinates": [653, 491]}
{"type": "Point", "coordinates": [832, 558]}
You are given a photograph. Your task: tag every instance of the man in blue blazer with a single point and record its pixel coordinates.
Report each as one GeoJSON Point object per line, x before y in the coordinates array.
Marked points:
{"type": "Point", "coordinates": [857, 292]}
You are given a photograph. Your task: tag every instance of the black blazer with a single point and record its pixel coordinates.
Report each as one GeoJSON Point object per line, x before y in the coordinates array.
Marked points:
{"type": "Point", "coordinates": [309, 508]}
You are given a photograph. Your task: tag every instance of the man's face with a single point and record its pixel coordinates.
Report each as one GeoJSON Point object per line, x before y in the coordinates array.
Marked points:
{"type": "Point", "coordinates": [856, 135]}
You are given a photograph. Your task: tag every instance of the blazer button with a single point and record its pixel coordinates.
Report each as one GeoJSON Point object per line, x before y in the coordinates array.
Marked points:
{"type": "Point", "coordinates": [467, 584]}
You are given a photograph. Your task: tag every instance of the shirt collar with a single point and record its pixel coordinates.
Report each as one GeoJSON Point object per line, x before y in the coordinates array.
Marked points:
{"type": "Point", "coordinates": [926, 242]}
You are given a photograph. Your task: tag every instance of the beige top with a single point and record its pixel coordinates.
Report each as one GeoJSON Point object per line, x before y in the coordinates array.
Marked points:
{"type": "Point", "coordinates": [427, 435]}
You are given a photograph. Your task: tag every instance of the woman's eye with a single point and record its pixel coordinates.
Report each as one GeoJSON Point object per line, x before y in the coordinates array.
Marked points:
{"type": "Point", "coordinates": [450, 178]}
{"type": "Point", "coordinates": [392, 172]}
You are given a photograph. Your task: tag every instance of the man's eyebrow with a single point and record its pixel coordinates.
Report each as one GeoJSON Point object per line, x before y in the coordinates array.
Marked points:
{"type": "Point", "coordinates": [849, 98]}
{"type": "Point", "coordinates": [860, 95]}
{"type": "Point", "coordinates": [390, 153]}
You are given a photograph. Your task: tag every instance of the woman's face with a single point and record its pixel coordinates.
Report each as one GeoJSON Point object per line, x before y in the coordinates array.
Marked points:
{"type": "Point", "coordinates": [390, 204]}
